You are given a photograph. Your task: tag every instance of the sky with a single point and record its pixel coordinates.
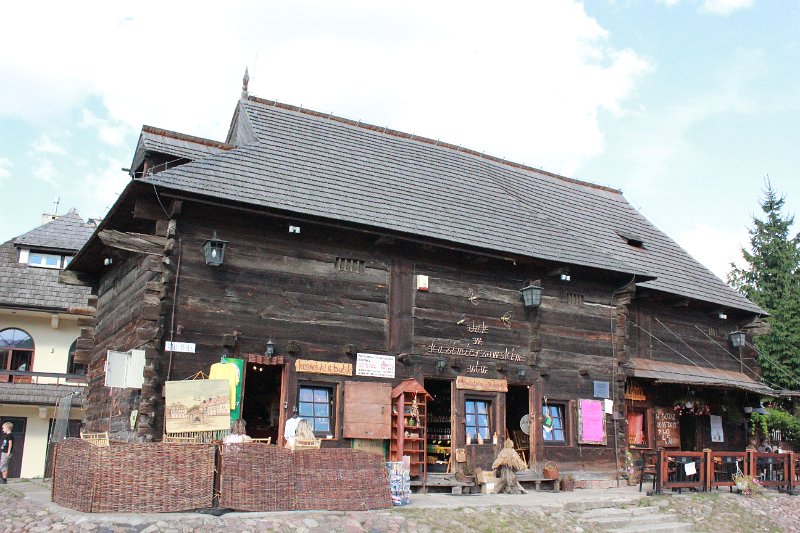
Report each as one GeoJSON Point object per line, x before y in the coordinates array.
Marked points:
{"type": "Point", "coordinates": [687, 106]}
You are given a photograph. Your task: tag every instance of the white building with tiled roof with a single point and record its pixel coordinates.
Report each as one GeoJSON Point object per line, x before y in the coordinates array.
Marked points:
{"type": "Point", "coordinates": [39, 324]}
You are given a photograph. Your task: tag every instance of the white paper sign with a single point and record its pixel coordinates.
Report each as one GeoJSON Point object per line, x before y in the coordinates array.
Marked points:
{"type": "Point", "coordinates": [379, 366]}
{"type": "Point", "coordinates": [185, 347]}
{"type": "Point", "coordinates": [608, 406]}
{"type": "Point", "coordinates": [690, 469]}
{"type": "Point", "coordinates": [716, 429]}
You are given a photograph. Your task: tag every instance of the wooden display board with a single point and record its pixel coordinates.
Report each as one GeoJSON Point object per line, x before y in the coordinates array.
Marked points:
{"type": "Point", "coordinates": [367, 410]}
{"type": "Point", "coordinates": [668, 428]}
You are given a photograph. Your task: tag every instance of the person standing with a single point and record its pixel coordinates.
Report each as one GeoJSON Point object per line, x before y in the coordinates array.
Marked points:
{"type": "Point", "coordinates": [5, 451]}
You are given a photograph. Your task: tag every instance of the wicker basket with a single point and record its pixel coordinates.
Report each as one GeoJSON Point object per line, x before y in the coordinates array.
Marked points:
{"type": "Point", "coordinates": [550, 470]}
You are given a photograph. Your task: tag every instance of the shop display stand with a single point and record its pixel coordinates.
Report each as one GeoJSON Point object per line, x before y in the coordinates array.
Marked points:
{"type": "Point", "coordinates": [409, 426]}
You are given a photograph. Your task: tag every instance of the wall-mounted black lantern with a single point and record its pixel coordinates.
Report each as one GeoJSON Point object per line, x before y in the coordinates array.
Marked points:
{"type": "Point", "coordinates": [531, 296]}
{"type": "Point", "coordinates": [737, 338]}
{"type": "Point", "coordinates": [214, 250]}
{"type": "Point", "coordinates": [441, 364]}
{"type": "Point", "coordinates": [270, 349]}
{"type": "Point", "coordinates": [521, 373]}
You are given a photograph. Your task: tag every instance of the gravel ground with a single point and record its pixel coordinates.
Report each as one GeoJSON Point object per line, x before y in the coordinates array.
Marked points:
{"type": "Point", "coordinates": [25, 506]}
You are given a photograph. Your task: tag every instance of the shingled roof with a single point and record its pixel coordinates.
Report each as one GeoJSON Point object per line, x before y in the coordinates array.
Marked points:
{"type": "Point", "coordinates": [173, 144]}
{"type": "Point", "coordinates": [309, 163]}
{"type": "Point", "coordinates": [66, 233]}
{"type": "Point", "coordinates": [27, 287]}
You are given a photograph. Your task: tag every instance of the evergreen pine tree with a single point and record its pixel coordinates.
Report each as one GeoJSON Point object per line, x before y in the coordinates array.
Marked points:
{"type": "Point", "coordinates": [771, 279]}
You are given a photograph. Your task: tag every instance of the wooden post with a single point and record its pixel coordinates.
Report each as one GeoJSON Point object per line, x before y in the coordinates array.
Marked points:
{"type": "Point", "coordinates": [750, 463]}
{"type": "Point", "coordinates": [708, 466]}
{"type": "Point", "coordinates": [661, 468]}
{"type": "Point", "coordinates": [792, 470]}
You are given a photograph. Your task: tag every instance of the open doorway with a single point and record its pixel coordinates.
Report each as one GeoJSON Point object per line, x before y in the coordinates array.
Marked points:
{"type": "Point", "coordinates": [439, 425]}
{"type": "Point", "coordinates": [18, 431]}
{"type": "Point", "coordinates": [261, 405]}
{"type": "Point", "coordinates": [516, 409]}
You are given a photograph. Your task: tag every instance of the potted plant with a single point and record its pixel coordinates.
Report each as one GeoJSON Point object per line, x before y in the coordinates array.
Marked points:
{"type": "Point", "coordinates": [568, 483]}
{"type": "Point", "coordinates": [748, 485]}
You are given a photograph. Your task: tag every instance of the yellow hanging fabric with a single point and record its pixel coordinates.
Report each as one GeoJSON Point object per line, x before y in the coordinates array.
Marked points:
{"type": "Point", "coordinates": [228, 372]}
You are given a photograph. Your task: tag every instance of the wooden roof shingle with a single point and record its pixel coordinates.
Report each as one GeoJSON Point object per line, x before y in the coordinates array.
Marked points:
{"type": "Point", "coordinates": [308, 163]}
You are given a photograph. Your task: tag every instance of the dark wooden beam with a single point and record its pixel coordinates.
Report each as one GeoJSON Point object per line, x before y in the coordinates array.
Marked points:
{"type": "Point", "coordinates": [146, 209]}
{"type": "Point", "coordinates": [80, 279]}
{"type": "Point", "coordinates": [133, 242]}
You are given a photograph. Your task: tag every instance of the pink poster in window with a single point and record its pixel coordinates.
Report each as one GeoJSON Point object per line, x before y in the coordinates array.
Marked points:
{"type": "Point", "coordinates": [591, 422]}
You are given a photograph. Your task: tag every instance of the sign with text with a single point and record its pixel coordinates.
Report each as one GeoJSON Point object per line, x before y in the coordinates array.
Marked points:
{"type": "Point", "coordinates": [183, 347]}
{"type": "Point", "coordinates": [323, 367]}
{"type": "Point", "coordinates": [481, 384]}
{"type": "Point", "coordinates": [379, 366]}
{"type": "Point", "coordinates": [668, 428]}
{"type": "Point", "coordinates": [717, 434]}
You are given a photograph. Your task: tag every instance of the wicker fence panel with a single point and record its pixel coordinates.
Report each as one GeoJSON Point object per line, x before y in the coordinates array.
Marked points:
{"type": "Point", "coordinates": [256, 477]}
{"type": "Point", "coordinates": [153, 477]}
{"type": "Point", "coordinates": [340, 480]}
{"type": "Point", "coordinates": [73, 475]}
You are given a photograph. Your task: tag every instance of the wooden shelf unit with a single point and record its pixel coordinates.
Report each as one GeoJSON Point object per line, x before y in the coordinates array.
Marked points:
{"type": "Point", "coordinates": [409, 439]}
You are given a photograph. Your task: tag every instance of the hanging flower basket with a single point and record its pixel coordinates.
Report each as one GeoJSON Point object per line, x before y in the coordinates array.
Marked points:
{"type": "Point", "coordinates": [692, 406]}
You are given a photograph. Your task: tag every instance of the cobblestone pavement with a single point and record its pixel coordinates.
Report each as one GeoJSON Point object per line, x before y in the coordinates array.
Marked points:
{"type": "Point", "coordinates": [25, 506]}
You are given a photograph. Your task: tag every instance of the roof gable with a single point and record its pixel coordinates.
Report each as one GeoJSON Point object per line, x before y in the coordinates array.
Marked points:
{"type": "Point", "coordinates": [66, 233]}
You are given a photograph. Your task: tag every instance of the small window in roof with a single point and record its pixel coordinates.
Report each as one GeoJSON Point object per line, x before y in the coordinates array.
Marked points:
{"type": "Point", "coordinates": [632, 239]}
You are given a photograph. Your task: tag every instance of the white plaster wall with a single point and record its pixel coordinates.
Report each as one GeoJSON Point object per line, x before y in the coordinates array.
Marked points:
{"type": "Point", "coordinates": [51, 345]}
{"type": "Point", "coordinates": [34, 453]}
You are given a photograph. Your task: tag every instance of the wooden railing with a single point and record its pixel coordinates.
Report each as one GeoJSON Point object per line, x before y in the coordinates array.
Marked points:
{"type": "Point", "coordinates": [50, 378]}
{"type": "Point", "coordinates": [711, 469]}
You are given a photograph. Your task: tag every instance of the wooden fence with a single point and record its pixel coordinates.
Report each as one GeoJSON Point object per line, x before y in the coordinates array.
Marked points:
{"type": "Point", "coordinates": [708, 469]}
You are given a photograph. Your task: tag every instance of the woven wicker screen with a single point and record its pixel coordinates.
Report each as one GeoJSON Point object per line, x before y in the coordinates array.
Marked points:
{"type": "Point", "coordinates": [148, 478]}
{"type": "Point", "coordinates": [267, 478]}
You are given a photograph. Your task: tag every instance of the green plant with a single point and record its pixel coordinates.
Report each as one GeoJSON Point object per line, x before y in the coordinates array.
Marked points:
{"type": "Point", "coordinates": [747, 484]}
{"type": "Point", "coordinates": [777, 419]}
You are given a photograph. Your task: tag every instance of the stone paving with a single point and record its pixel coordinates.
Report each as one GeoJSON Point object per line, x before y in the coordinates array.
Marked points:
{"type": "Point", "coordinates": [25, 506]}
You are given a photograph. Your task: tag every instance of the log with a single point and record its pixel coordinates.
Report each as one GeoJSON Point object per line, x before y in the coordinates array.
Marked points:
{"type": "Point", "coordinates": [133, 242]}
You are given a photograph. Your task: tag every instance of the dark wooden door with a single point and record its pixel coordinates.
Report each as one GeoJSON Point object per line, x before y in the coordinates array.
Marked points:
{"type": "Point", "coordinates": [15, 467]}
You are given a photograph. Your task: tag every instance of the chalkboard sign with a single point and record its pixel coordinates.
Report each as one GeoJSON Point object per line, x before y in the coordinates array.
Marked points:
{"type": "Point", "coordinates": [668, 428]}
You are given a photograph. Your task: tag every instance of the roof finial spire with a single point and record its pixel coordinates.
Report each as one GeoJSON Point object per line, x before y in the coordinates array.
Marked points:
{"type": "Point", "coordinates": [245, 81]}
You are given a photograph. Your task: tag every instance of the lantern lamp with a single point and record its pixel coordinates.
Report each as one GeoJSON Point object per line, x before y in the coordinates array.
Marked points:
{"type": "Point", "coordinates": [531, 296]}
{"type": "Point", "coordinates": [270, 350]}
{"type": "Point", "coordinates": [214, 250]}
{"type": "Point", "coordinates": [441, 364]}
{"type": "Point", "coordinates": [737, 338]}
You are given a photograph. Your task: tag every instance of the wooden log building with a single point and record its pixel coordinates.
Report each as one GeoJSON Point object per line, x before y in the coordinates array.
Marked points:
{"type": "Point", "coordinates": [356, 257]}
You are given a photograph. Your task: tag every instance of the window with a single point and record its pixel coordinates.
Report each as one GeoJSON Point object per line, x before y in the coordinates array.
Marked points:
{"type": "Point", "coordinates": [637, 428]}
{"type": "Point", "coordinates": [16, 350]}
{"type": "Point", "coordinates": [72, 366]}
{"type": "Point", "coordinates": [477, 412]}
{"type": "Point", "coordinates": [553, 423]}
{"type": "Point", "coordinates": [315, 404]}
{"type": "Point", "coordinates": [43, 259]}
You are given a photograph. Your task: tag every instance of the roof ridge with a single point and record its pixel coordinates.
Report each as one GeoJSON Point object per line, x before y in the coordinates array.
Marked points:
{"type": "Point", "coordinates": [185, 137]}
{"type": "Point", "coordinates": [427, 140]}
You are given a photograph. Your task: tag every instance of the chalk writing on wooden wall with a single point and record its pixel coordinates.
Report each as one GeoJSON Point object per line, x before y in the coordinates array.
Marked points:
{"type": "Point", "coordinates": [668, 428]}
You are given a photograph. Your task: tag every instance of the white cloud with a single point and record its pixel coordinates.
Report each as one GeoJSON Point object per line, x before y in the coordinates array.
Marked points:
{"type": "Point", "coordinates": [44, 170]}
{"type": "Point", "coordinates": [46, 145]}
{"type": "Point", "coordinates": [5, 168]}
{"type": "Point", "coordinates": [108, 132]}
{"type": "Point", "coordinates": [448, 70]}
{"type": "Point", "coordinates": [724, 7]}
{"type": "Point", "coordinates": [105, 184]}
{"type": "Point", "coordinates": [714, 247]}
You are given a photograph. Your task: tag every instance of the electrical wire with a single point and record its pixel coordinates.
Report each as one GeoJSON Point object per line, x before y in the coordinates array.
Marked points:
{"type": "Point", "coordinates": [755, 373]}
